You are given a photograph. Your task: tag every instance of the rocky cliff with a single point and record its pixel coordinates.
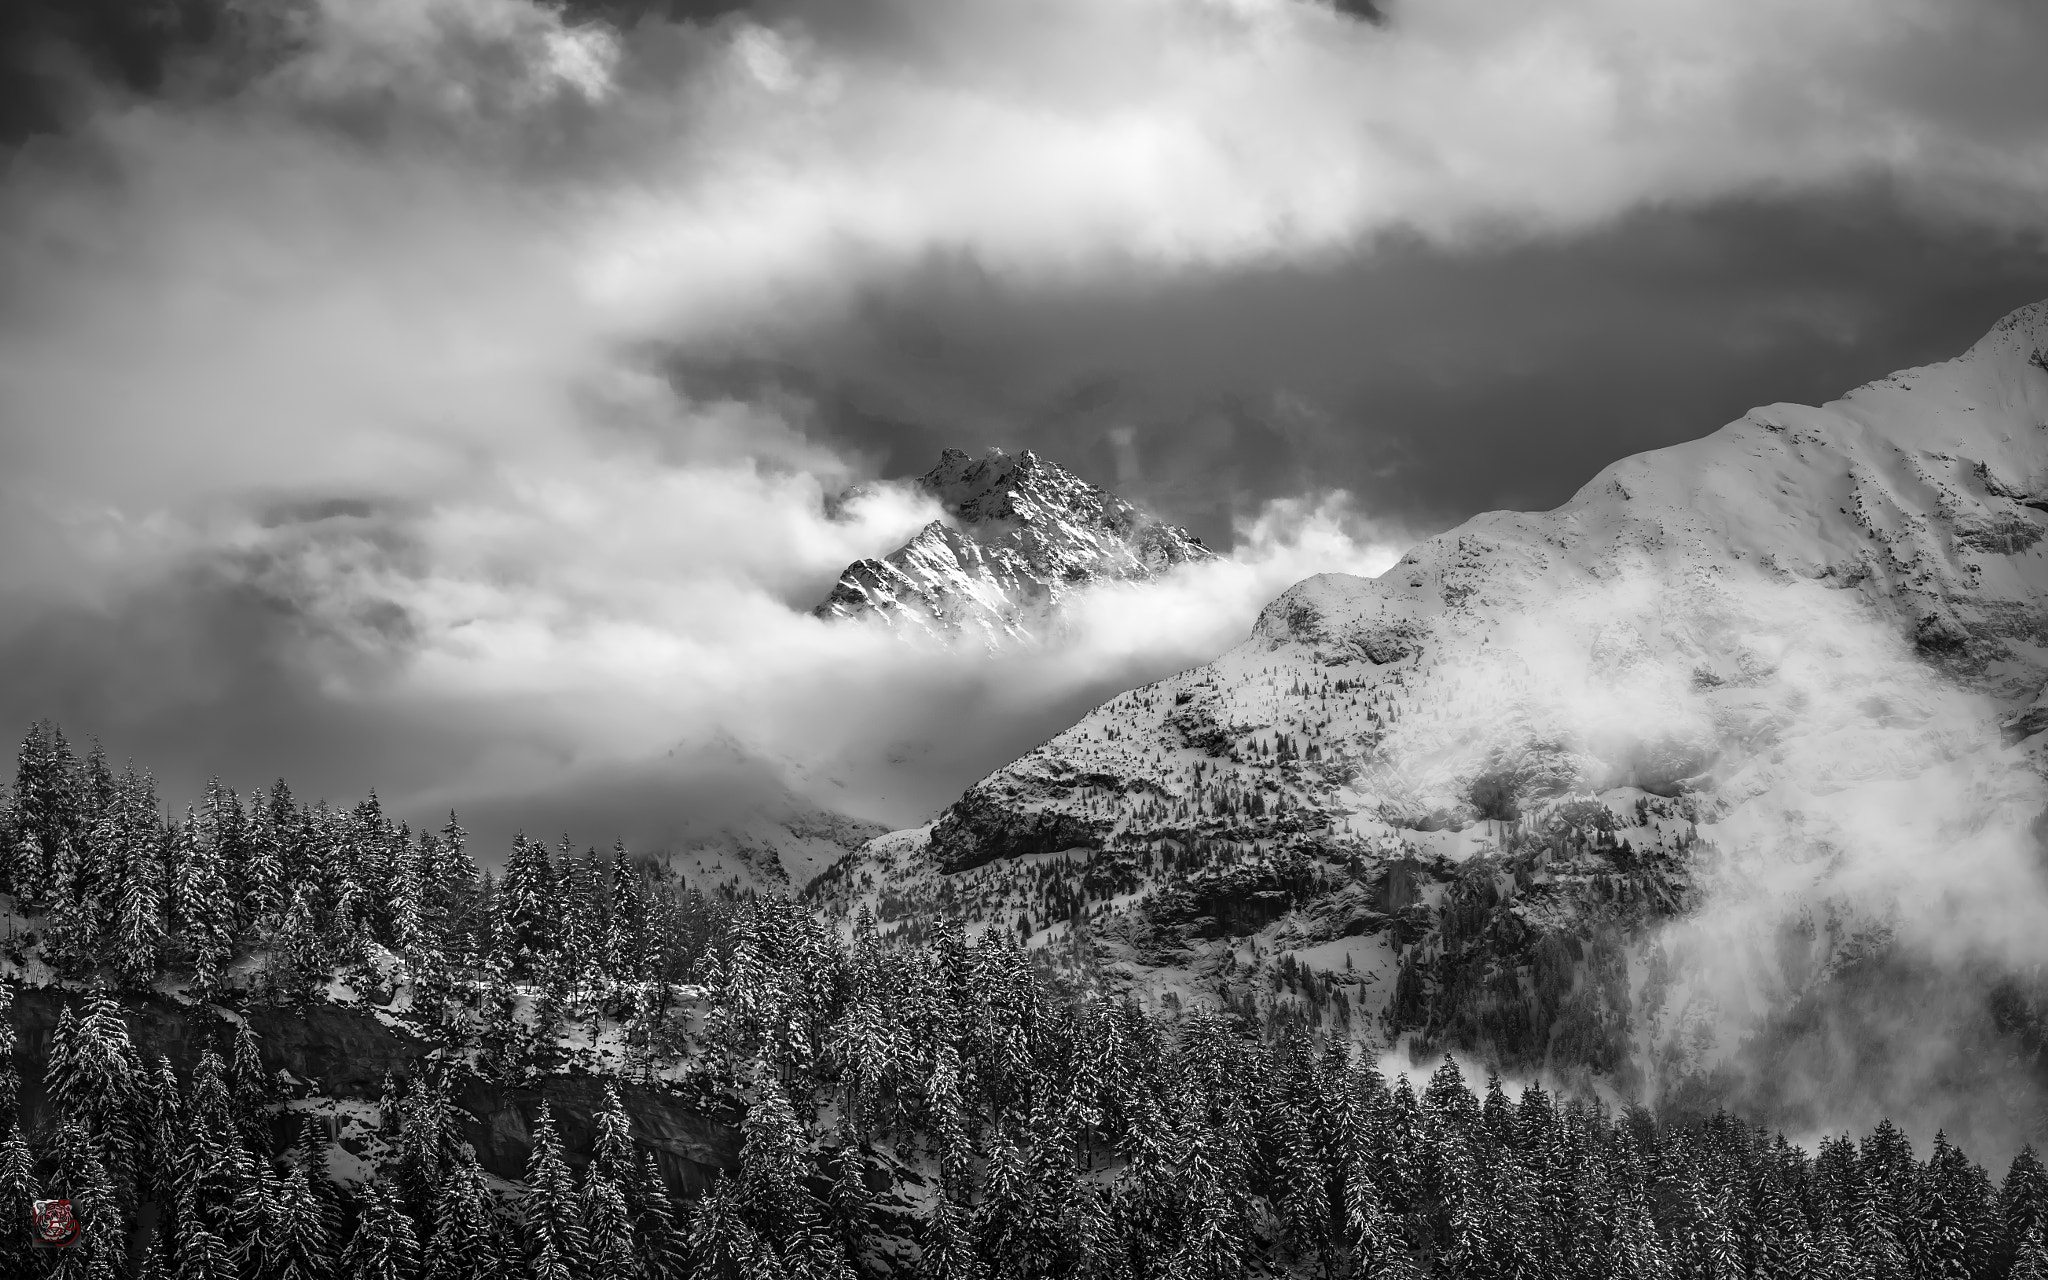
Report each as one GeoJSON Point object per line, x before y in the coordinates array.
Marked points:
{"type": "Point", "coordinates": [1020, 534]}
{"type": "Point", "coordinates": [341, 1054]}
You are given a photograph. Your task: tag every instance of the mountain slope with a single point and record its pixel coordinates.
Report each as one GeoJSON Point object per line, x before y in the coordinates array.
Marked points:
{"type": "Point", "coordinates": [1021, 533]}
{"type": "Point", "coordinates": [1748, 679]}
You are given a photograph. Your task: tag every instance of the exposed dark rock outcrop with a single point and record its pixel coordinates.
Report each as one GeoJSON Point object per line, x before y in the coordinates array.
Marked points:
{"type": "Point", "coordinates": [979, 828]}
{"type": "Point", "coordinates": [344, 1052]}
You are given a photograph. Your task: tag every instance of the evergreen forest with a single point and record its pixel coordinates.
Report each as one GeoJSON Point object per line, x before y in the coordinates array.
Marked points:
{"type": "Point", "coordinates": [865, 1105]}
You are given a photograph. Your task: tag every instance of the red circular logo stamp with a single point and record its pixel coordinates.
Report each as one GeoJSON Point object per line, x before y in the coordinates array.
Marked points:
{"type": "Point", "coordinates": [53, 1223]}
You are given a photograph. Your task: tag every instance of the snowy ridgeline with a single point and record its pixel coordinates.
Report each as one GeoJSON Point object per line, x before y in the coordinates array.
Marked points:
{"type": "Point", "coordinates": [1619, 787]}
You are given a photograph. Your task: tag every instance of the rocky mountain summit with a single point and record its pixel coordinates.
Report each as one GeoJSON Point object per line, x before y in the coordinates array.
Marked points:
{"type": "Point", "coordinates": [1649, 786]}
{"type": "Point", "coordinates": [1020, 534]}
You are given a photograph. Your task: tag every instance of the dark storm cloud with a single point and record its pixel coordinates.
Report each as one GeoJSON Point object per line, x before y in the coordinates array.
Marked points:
{"type": "Point", "coordinates": [1431, 384]}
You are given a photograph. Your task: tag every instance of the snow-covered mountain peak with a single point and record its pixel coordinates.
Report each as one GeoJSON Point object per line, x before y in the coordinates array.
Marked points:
{"type": "Point", "coordinates": [1774, 659]}
{"type": "Point", "coordinates": [1020, 534]}
{"type": "Point", "coordinates": [2022, 333]}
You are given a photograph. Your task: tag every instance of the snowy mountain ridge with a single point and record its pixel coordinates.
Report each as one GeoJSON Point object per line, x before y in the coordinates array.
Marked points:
{"type": "Point", "coordinates": [1021, 534]}
{"type": "Point", "coordinates": [1763, 667]}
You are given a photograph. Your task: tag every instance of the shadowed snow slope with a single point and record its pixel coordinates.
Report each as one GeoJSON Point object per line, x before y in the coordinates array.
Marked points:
{"type": "Point", "coordinates": [1609, 788]}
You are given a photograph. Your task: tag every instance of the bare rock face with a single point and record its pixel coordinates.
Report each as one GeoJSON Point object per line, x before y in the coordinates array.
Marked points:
{"type": "Point", "coordinates": [1021, 535]}
{"type": "Point", "coordinates": [980, 828]}
{"type": "Point", "coordinates": [344, 1052]}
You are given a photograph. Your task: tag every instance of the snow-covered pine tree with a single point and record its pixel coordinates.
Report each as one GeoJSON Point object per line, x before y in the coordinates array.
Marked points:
{"type": "Point", "coordinates": [2030, 1256]}
{"type": "Point", "coordinates": [410, 891]}
{"type": "Point", "coordinates": [225, 825]}
{"type": "Point", "coordinates": [1002, 1224]}
{"type": "Point", "coordinates": [552, 1209]}
{"type": "Point", "coordinates": [464, 1245]}
{"type": "Point", "coordinates": [215, 1165]}
{"type": "Point", "coordinates": [658, 1243]}
{"type": "Point", "coordinates": [383, 1245]}
{"type": "Point", "coordinates": [548, 1263]}
{"type": "Point", "coordinates": [309, 1152]}
{"type": "Point", "coordinates": [299, 959]}
{"type": "Point", "coordinates": [295, 831]}
{"type": "Point", "coordinates": [623, 942]}
{"type": "Point", "coordinates": [203, 1254]}
{"type": "Point", "coordinates": [372, 845]}
{"type": "Point", "coordinates": [202, 905]}
{"type": "Point", "coordinates": [2022, 1197]}
{"type": "Point", "coordinates": [90, 1077]}
{"type": "Point", "coordinates": [772, 1165]}
{"type": "Point", "coordinates": [722, 1244]}
{"type": "Point", "coordinates": [1936, 1238]}
{"type": "Point", "coordinates": [135, 837]}
{"type": "Point", "coordinates": [453, 887]}
{"type": "Point", "coordinates": [611, 1152]}
{"type": "Point", "coordinates": [253, 1218]}
{"type": "Point", "coordinates": [527, 904]}
{"type": "Point", "coordinates": [19, 1187]}
{"type": "Point", "coordinates": [608, 1227]}
{"type": "Point", "coordinates": [261, 892]}
{"type": "Point", "coordinates": [254, 1088]}
{"type": "Point", "coordinates": [573, 924]}
{"type": "Point", "coordinates": [43, 817]}
{"type": "Point", "coordinates": [161, 1135]}
{"type": "Point", "coordinates": [851, 1202]}
{"type": "Point", "coordinates": [78, 1174]}
{"type": "Point", "coordinates": [10, 1075]}
{"type": "Point", "coordinates": [301, 1246]}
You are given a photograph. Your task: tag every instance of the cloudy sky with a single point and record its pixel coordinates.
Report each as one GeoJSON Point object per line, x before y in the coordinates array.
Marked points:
{"type": "Point", "coordinates": [439, 395]}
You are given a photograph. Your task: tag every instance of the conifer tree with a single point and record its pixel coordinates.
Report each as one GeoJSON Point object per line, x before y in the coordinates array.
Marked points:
{"type": "Point", "coordinates": [134, 837]}
{"type": "Point", "coordinates": [2030, 1256]}
{"type": "Point", "coordinates": [310, 1153]}
{"type": "Point", "coordinates": [946, 1245]}
{"type": "Point", "coordinates": [253, 1216]}
{"type": "Point", "coordinates": [464, 1244]}
{"type": "Point", "coordinates": [19, 1188]}
{"type": "Point", "coordinates": [203, 1255]}
{"type": "Point", "coordinates": [254, 1088]}
{"type": "Point", "coordinates": [77, 1174]}
{"type": "Point", "coordinates": [2022, 1199]}
{"type": "Point", "coordinates": [850, 1197]}
{"type": "Point", "coordinates": [299, 958]}
{"type": "Point", "coordinates": [623, 942]}
{"type": "Point", "coordinates": [528, 903]}
{"type": "Point", "coordinates": [44, 817]}
{"type": "Point", "coordinates": [155, 1264]}
{"type": "Point", "coordinates": [383, 1245]}
{"type": "Point", "coordinates": [608, 1227]}
{"type": "Point", "coordinates": [91, 1076]}
{"type": "Point", "coordinates": [161, 1136]}
{"type": "Point", "coordinates": [10, 1075]}
{"type": "Point", "coordinates": [552, 1208]}
{"type": "Point", "coordinates": [202, 905]}
{"type": "Point", "coordinates": [1634, 1248]}
{"type": "Point", "coordinates": [302, 1247]}
{"type": "Point", "coordinates": [658, 1243]}
{"type": "Point", "coordinates": [722, 1246]}
{"type": "Point", "coordinates": [611, 1153]}
{"type": "Point", "coordinates": [259, 908]}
